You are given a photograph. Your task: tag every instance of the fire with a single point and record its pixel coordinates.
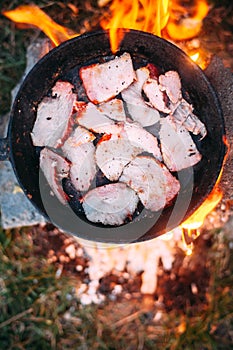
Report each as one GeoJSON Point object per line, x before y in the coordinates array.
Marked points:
{"type": "Point", "coordinates": [33, 15]}
{"type": "Point", "coordinates": [168, 17]}
{"type": "Point", "coordinates": [146, 15]}
{"type": "Point", "coordinates": [185, 22]}
{"type": "Point", "coordinates": [196, 220]}
{"type": "Point", "coordinates": [190, 227]}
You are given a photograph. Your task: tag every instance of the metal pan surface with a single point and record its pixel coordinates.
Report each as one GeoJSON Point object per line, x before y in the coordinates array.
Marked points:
{"type": "Point", "coordinates": [64, 62]}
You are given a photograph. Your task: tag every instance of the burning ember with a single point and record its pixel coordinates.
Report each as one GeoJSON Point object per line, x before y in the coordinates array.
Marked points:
{"type": "Point", "coordinates": [185, 20]}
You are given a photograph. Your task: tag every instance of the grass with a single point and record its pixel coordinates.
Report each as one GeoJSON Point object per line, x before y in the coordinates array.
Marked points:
{"type": "Point", "coordinates": [39, 308]}
{"type": "Point", "coordinates": [213, 327]}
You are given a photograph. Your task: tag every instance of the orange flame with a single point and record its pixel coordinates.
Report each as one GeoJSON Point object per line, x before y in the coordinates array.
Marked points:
{"type": "Point", "coordinates": [33, 15]}
{"type": "Point", "coordinates": [146, 15]}
{"type": "Point", "coordinates": [184, 23]}
{"type": "Point", "coordinates": [196, 220]}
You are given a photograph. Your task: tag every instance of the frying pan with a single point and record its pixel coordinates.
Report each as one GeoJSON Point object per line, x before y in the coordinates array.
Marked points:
{"type": "Point", "coordinates": [63, 62]}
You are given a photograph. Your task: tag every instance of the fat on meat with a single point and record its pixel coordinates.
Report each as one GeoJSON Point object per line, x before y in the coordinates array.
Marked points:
{"type": "Point", "coordinates": [152, 181]}
{"type": "Point", "coordinates": [152, 90]}
{"type": "Point", "coordinates": [53, 121]}
{"type": "Point", "coordinates": [79, 136]}
{"type": "Point", "coordinates": [113, 154]}
{"type": "Point", "coordinates": [135, 104]}
{"type": "Point", "coordinates": [113, 109]}
{"type": "Point", "coordinates": [80, 151]}
{"type": "Point", "coordinates": [143, 139]}
{"type": "Point", "coordinates": [178, 148]}
{"type": "Point", "coordinates": [184, 115]}
{"type": "Point", "coordinates": [110, 204]}
{"type": "Point", "coordinates": [103, 81]}
{"type": "Point", "coordinates": [55, 168]}
{"type": "Point", "coordinates": [91, 118]}
{"type": "Point", "coordinates": [171, 83]}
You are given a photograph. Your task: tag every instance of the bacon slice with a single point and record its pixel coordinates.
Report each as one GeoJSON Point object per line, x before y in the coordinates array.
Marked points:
{"type": "Point", "coordinates": [79, 149]}
{"type": "Point", "coordinates": [143, 139]}
{"type": "Point", "coordinates": [178, 149]}
{"type": "Point", "coordinates": [113, 154]}
{"type": "Point", "coordinates": [136, 106]}
{"type": "Point", "coordinates": [78, 137]}
{"type": "Point", "coordinates": [55, 168]}
{"type": "Point", "coordinates": [184, 115]}
{"type": "Point", "coordinates": [113, 109]}
{"type": "Point", "coordinates": [152, 181]}
{"type": "Point", "coordinates": [111, 204]}
{"type": "Point", "coordinates": [153, 91]}
{"type": "Point", "coordinates": [170, 82]}
{"type": "Point", "coordinates": [104, 81]}
{"type": "Point", "coordinates": [53, 120]}
{"type": "Point", "coordinates": [91, 118]}
{"type": "Point", "coordinates": [83, 167]}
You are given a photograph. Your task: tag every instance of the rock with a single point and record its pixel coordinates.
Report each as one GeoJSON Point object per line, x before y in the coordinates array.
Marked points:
{"type": "Point", "coordinates": [16, 209]}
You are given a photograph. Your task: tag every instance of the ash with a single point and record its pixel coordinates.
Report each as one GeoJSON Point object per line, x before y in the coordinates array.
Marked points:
{"type": "Point", "coordinates": [128, 262]}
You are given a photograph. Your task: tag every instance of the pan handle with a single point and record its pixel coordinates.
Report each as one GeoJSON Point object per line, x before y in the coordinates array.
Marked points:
{"type": "Point", "coordinates": [4, 149]}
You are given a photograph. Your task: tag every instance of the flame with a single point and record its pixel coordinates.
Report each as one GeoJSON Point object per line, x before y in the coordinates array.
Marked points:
{"type": "Point", "coordinates": [183, 23]}
{"type": "Point", "coordinates": [195, 56]}
{"type": "Point", "coordinates": [190, 227]}
{"type": "Point", "coordinates": [196, 220]}
{"type": "Point", "coordinates": [146, 15]}
{"type": "Point", "coordinates": [33, 15]}
{"type": "Point", "coordinates": [151, 16]}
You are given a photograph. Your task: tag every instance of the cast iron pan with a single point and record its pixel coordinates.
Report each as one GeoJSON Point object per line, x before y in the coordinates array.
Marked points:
{"type": "Point", "coordinates": [64, 62]}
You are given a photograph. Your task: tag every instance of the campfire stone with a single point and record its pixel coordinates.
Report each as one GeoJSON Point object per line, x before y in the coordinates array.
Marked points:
{"type": "Point", "coordinates": [16, 209]}
{"type": "Point", "coordinates": [222, 80]}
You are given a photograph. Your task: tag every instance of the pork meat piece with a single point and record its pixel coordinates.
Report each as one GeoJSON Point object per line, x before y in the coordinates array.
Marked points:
{"type": "Point", "coordinates": [113, 154]}
{"type": "Point", "coordinates": [79, 149]}
{"type": "Point", "coordinates": [78, 137]}
{"type": "Point", "coordinates": [53, 121]}
{"type": "Point", "coordinates": [152, 90]}
{"type": "Point", "coordinates": [103, 81]}
{"type": "Point", "coordinates": [113, 109]}
{"type": "Point", "coordinates": [170, 82]}
{"type": "Point", "coordinates": [91, 118]}
{"type": "Point", "coordinates": [178, 148]}
{"type": "Point", "coordinates": [135, 104]}
{"type": "Point", "coordinates": [184, 115]}
{"type": "Point", "coordinates": [55, 168]}
{"type": "Point", "coordinates": [110, 204]}
{"type": "Point", "coordinates": [139, 137]}
{"type": "Point", "coordinates": [152, 181]}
